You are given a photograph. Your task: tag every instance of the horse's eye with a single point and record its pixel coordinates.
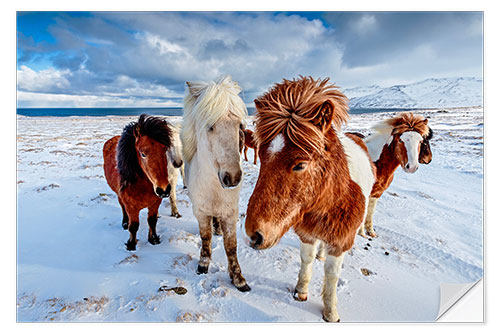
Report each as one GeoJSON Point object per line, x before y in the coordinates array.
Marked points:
{"type": "Point", "coordinates": [143, 155]}
{"type": "Point", "coordinates": [211, 129]}
{"type": "Point", "coordinates": [299, 167]}
{"type": "Point", "coordinates": [241, 127]}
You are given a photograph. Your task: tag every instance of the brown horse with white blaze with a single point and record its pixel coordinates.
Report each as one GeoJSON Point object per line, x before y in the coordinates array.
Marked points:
{"type": "Point", "coordinates": [399, 141]}
{"type": "Point", "coordinates": [312, 178]}
{"type": "Point", "coordinates": [135, 166]}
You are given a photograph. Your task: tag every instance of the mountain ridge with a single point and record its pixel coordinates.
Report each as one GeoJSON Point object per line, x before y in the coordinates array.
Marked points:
{"type": "Point", "coordinates": [428, 93]}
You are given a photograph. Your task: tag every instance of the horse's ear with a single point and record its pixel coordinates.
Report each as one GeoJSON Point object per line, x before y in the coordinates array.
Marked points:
{"type": "Point", "coordinates": [426, 121]}
{"type": "Point", "coordinates": [325, 116]}
{"type": "Point", "coordinates": [195, 88]}
{"type": "Point", "coordinates": [137, 131]}
{"type": "Point", "coordinates": [258, 104]}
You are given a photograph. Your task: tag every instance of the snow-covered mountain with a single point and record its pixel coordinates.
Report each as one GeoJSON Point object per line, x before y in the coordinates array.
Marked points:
{"type": "Point", "coordinates": [430, 93]}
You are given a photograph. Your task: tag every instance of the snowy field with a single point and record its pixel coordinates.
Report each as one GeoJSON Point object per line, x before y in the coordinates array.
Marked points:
{"type": "Point", "coordinates": [73, 265]}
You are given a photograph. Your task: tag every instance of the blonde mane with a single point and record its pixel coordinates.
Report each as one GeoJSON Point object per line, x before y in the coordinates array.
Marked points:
{"type": "Point", "coordinates": [204, 104]}
{"type": "Point", "coordinates": [296, 109]}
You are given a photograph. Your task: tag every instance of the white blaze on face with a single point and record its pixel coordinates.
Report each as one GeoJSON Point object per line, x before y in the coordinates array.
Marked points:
{"type": "Point", "coordinates": [412, 142]}
{"type": "Point", "coordinates": [277, 144]}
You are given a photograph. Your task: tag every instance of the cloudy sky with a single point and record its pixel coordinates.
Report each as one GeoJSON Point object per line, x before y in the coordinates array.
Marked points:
{"type": "Point", "coordinates": [112, 59]}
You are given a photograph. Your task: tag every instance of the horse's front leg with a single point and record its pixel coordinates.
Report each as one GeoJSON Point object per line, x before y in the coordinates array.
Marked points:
{"type": "Point", "coordinates": [333, 266]}
{"type": "Point", "coordinates": [153, 238]}
{"type": "Point", "coordinates": [125, 215]}
{"type": "Point", "coordinates": [205, 226]}
{"type": "Point", "coordinates": [230, 245]}
{"type": "Point", "coordinates": [133, 226]}
{"type": "Point", "coordinates": [307, 254]}
{"type": "Point", "coordinates": [372, 203]}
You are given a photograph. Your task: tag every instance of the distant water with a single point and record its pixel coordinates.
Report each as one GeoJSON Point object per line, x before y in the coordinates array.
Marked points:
{"type": "Point", "coordinates": [100, 112]}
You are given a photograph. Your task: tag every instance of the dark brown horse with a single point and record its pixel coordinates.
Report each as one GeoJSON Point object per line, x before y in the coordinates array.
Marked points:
{"type": "Point", "coordinates": [250, 143]}
{"type": "Point", "coordinates": [312, 178]}
{"type": "Point", "coordinates": [135, 166]}
{"type": "Point", "coordinates": [399, 141]}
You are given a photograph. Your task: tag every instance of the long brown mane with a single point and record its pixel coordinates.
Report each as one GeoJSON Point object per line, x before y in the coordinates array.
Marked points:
{"type": "Point", "coordinates": [294, 108]}
{"type": "Point", "coordinates": [409, 122]}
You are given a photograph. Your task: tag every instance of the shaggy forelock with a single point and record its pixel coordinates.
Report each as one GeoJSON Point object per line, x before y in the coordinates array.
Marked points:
{"type": "Point", "coordinates": [202, 110]}
{"type": "Point", "coordinates": [408, 122]}
{"type": "Point", "coordinates": [295, 109]}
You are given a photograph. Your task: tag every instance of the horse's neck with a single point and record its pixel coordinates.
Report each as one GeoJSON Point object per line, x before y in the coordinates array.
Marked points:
{"type": "Point", "coordinates": [387, 162]}
{"type": "Point", "coordinates": [376, 142]}
{"type": "Point", "coordinates": [337, 170]}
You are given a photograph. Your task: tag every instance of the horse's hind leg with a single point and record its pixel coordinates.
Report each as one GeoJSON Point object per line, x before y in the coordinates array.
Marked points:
{"type": "Point", "coordinates": [321, 251]}
{"type": "Point", "coordinates": [152, 220]}
{"type": "Point", "coordinates": [217, 226]}
{"type": "Point", "coordinates": [245, 153]}
{"type": "Point", "coordinates": [173, 204]}
{"type": "Point", "coordinates": [125, 216]}
{"type": "Point", "coordinates": [333, 266]}
{"type": "Point", "coordinates": [307, 254]}
{"type": "Point", "coordinates": [230, 245]}
{"type": "Point", "coordinates": [255, 154]}
{"type": "Point", "coordinates": [205, 225]}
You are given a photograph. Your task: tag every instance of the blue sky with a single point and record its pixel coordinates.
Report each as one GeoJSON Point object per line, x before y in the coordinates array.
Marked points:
{"type": "Point", "coordinates": [92, 59]}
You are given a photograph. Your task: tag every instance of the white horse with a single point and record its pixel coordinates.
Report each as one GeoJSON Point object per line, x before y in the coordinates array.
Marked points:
{"type": "Point", "coordinates": [212, 139]}
{"type": "Point", "coordinates": [174, 165]}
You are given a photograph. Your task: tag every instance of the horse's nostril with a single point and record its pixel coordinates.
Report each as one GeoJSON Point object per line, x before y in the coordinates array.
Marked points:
{"type": "Point", "coordinates": [407, 166]}
{"type": "Point", "coordinates": [257, 239]}
{"type": "Point", "coordinates": [159, 191]}
{"type": "Point", "coordinates": [227, 179]}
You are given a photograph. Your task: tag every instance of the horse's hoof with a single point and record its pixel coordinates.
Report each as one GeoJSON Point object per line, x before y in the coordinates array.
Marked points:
{"type": "Point", "coordinates": [329, 321]}
{"type": "Point", "coordinates": [154, 240]}
{"type": "Point", "coordinates": [244, 288]}
{"type": "Point", "coordinates": [125, 225]}
{"type": "Point", "coordinates": [300, 297]}
{"type": "Point", "coordinates": [130, 246]}
{"type": "Point", "coordinates": [202, 270]}
{"type": "Point", "coordinates": [176, 215]}
{"type": "Point", "coordinates": [372, 234]}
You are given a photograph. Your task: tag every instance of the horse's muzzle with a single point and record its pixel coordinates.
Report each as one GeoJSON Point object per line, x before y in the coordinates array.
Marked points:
{"type": "Point", "coordinates": [256, 240]}
{"type": "Point", "coordinates": [227, 180]}
{"type": "Point", "coordinates": [163, 193]}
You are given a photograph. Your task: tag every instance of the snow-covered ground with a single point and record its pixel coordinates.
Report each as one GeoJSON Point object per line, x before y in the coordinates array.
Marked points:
{"type": "Point", "coordinates": [73, 265]}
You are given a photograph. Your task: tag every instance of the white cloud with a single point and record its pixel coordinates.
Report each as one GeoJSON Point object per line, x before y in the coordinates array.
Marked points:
{"type": "Point", "coordinates": [44, 80]}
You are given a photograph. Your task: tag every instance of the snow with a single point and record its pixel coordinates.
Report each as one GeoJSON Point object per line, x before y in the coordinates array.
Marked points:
{"type": "Point", "coordinates": [73, 265]}
{"type": "Point", "coordinates": [430, 93]}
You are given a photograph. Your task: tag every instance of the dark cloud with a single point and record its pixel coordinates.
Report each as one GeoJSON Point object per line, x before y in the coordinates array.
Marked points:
{"type": "Point", "coordinates": [370, 38]}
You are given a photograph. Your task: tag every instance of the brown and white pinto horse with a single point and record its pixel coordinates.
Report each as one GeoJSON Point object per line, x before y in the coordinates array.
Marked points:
{"type": "Point", "coordinates": [312, 178]}
{"type": "Point", "coordinates": [250, 143]}
{"type": "Point", "coordinates": [399, 141]}
{"type": "Point", "coordinates": [135, 166]}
